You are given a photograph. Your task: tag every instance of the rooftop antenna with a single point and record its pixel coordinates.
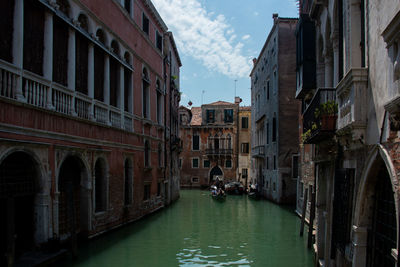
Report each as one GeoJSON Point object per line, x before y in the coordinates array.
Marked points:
{"type": "Point", "coordinates": [202, 94]}
{"type": "Point", "coordinates": [235, 87]}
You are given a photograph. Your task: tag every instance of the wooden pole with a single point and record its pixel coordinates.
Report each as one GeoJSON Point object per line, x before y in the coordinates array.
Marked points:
{"type": "Point", "coordinates": [303, 214]}
{"type": "Point", "coordinates": [312, 216]}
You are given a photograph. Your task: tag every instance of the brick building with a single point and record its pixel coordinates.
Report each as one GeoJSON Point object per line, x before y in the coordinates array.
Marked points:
{"type": "Point", "coordinates": [209, 143]}
{"type": "Point", "coordinates": [274, 112]}
{"type": "Point", "coordinates": [88, 119]}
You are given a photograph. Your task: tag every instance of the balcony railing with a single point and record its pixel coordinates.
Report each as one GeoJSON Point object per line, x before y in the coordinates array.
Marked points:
{"type": "Point", "coordinates": [352, 101]}
{"type": "Point", "coordinates": [258, 151]}
{"type": "Point", "coordinates": [219, 151]}
{"type": "Point", "coordinates": [30, 88]}
{"type": "Point", "coordinates": [315, 128]}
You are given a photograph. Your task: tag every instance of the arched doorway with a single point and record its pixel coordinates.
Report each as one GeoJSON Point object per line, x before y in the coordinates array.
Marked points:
{"type": "Point", "coordinates": [215, 173]}
{"type": "Point", "coordinates": [375, 223]}
{"type": "Point", "coordinates": [382, 234]}
{"type": "Point", "coordinates": [18, 187]}
{"type": "Point", "coordinates": [73, 211]}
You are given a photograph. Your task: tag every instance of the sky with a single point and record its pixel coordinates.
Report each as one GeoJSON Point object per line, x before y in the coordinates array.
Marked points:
{"type": "Point", "coordinates": [217, 40]}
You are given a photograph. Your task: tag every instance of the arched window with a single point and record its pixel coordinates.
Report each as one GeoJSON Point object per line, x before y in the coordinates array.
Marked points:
{"type": "Point", "coordinates": [127, 85]}
{"type": "Point", "coordinates": [64, 7]}
{"type": "Point", "coordinates": [274, 130]}
{"type": "Point", "coordinates": [146, 99]}
{"type": "Point", "coordinates": [100, 185]}
{"type": "Point", "coordinates": [82, 51]}
{"type": "Point", "coordinates": [160, 159]}
{"type": "Point", "coordinates": [216, 142]}
{"type": "Point", "coordinates": [127, 58]}
{"type": "Point", "coordinates": [159, 102]}
{"type": "Point", "coordinates": [83, 21]}
{"type": "Point", "coordinates": [146, 154]}
{"type": "Point", "coordinates": [99, 67]}
{"type": "Point", "coordinates": [128, 188]}
{"type": "Point", "coordinates": [6, 19]}
{"type": "Point", "coordinates": [101, 36]}
{"type": "Point", "coordinates": [115, 47]}
{"type": "Point", "coordinates": [229, 141]}
{"type": "Point", "coordinates": [114, 75]}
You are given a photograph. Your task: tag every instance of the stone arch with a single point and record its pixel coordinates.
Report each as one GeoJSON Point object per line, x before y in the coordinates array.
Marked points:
{"type": "Point", "coordinates": [21, 203]}
{"type": "Point", "coordinates": [100, 184]}
{"type": "Point", "coordinates": [83, 21]}
{"type": "Point", "coordinates": [367, 180]}
{"type": "Point", "coordinates": [101, 36]}
{"type": "Point", "coordinates": [378, 160]}
{"type": "Point", "coordinates": [74, 205]}
{"type": "Point", "coordinates": [65, 7]}
{"type": "Point", "coordinates": [115, 47]}
{"type": "Point", "coordinates": [128, 58]}
{"type": "Point", "coordinates": [145, 74]}
{"type": "Point", "coordinates": [216, 170]}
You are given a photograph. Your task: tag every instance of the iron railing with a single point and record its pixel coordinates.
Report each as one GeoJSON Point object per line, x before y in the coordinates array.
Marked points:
{"type": "Point", "coordinates": [312, 130]}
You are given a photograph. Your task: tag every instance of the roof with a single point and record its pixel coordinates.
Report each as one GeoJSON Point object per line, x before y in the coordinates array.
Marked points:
{"type": "Point", "coordinates": [172, 40]}
{"type": "Point", "coordinates": [248, 108]}
{"type": "Point", "coordinates": [155, 13]}
{"type": "Point", "coordinates": [220, 103]}
{"type": "Point", "coordinates": [196, 116]}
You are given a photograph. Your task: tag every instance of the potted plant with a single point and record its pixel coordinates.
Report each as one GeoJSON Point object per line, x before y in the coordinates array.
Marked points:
{"type": "Point", "coordinates": [327, 113]}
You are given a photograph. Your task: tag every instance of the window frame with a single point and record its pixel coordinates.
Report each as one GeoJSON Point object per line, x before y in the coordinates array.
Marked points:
{"type": "Point", "coordinates": [193, 160]}
{"type": "Point", "coordinates": [210, 115]}
{"type": "Point", "coordinates": [245, 145]}
{"type": "Point", "coordinates": [228, 115]}
{"type": "Point", "coordinates": [226, 166]}
{"type": "Point", "coordinates": [246, 119]}
{"type": "Point", "coordinates": [198, 144]}
{"type": "Point", "coordinates": [209, 163]}
{"type": "Point", "coordinates": [145, 20]}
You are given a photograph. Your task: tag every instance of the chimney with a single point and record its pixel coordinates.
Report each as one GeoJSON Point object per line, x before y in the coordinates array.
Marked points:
{"type": "Point", "coordinates": [275, 17]}
{"type": "Point", "coordinates": [237, 100]}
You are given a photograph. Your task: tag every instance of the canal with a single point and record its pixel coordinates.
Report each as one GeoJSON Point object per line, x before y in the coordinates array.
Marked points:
{"type": "Point", "coordinates": [198, 230]}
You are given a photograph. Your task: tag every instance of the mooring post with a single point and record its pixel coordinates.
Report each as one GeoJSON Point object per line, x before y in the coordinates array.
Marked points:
{"type": "Point", "coordinates": [312, 215]}
{"type": "Point", "coordinates": [303, 213]}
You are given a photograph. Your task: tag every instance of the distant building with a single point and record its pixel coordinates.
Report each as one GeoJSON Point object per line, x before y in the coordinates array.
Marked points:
{"type": "Point", "coordinates": [88, 119]}
{"type": "Point", "coordinates": [275, 114]}
{"type": "Point", "coordinates": [244, 137]}
{"type": "Point", "coordinates": [209, 136]}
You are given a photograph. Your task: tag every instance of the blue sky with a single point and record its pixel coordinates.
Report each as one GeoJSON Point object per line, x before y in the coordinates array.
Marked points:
{"type": "Point", "coordinates": [217, 40]}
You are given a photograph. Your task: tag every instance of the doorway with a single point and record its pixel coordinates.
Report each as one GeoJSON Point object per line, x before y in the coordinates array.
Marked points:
{"type": "Point", "coordinates": [18, 176]}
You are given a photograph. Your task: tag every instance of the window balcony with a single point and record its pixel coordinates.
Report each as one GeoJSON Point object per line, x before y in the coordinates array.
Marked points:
{"type": "Point", "coordinates": [258, 151]}
{"type": "Point", "coordinates": [34, 90]}
{"type": "Point", "coordinates": [319, 123]}
{"type": "Point", "coordinates": [352, 103]}
{"type": "Point", "coordinates": [219, 151]}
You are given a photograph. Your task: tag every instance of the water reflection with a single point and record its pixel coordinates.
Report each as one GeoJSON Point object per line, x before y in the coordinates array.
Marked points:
{"type": "Point", "coordinates": [198, 231]}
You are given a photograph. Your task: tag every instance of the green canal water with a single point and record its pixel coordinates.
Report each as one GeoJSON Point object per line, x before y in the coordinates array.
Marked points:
{"type": "Point", "coordinates": [199, 231]}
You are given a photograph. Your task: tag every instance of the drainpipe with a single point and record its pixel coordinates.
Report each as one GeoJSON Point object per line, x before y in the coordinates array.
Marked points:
{"type": "Point", "coordinates": [237, 143]}
{"type": "Point", "coordinates": [165, 127]}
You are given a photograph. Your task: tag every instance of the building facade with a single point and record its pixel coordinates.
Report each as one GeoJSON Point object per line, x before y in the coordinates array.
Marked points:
{"type": "Point", "coordinates": [244, 137]}
{"type": "Point", "coordinates": [209, 136]}
{"type": "Point", "coordinates": [88, 91]}
{"type": "Point", "coordinates": [274, 111]}
{"type": "Point", "coordinates": [350, 116]}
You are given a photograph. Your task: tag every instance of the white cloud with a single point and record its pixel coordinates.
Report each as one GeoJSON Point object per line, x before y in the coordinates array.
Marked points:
{"type": "Point", "coordinates": [255, 13]}
{"type": "Point", "coordinates": [245, 37]}
{"type": "Point", "coordinates": [204, 36]}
